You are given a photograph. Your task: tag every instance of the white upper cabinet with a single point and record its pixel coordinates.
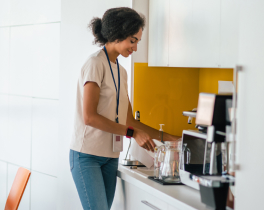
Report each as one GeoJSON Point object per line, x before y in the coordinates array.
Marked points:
{"type": "Point", "coordinates": [158, 51]}
{"type": "Point", "coordinates": [205, 33]}
{"type": "Point", "coordinates": [180, 40]}
{"type": "Point", "coordinates": [201, 33]}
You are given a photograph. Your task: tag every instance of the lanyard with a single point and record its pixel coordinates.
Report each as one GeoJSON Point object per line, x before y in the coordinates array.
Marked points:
{"type": "Point", "coordinates": [117, 90]}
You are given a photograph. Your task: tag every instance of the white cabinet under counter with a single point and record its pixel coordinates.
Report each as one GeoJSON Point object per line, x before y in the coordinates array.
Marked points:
{"type": "Point", "coordinates": [138, 192]}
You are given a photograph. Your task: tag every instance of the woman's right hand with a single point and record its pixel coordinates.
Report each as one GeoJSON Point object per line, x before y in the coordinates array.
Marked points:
{"type": "Point", "coordinates": [144, 140]}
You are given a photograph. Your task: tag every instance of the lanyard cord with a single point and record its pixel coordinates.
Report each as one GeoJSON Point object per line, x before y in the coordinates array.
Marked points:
{"type": "Point", "coordinates": [117, 90]}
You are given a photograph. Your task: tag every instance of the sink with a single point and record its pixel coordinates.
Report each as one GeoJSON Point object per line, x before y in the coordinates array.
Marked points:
{"type": "Point", "coordinates": [141, 171]}
{"type": "Point", "coordinates": [144, 171]}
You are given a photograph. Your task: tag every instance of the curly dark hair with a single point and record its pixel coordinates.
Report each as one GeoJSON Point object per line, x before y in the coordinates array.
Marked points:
{"type": "Point", "coordinates": [116, 24]}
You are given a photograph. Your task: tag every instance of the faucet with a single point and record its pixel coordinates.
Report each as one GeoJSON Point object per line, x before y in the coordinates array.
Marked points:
{"type": "Point", "coordinates": [190, 118]}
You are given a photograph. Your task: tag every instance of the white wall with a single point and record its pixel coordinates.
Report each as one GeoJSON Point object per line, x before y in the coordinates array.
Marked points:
{"type": "Point", "coordinates": [76, 46]}
{"type": "Point", "coordinates": [29, 87]}
{"type": "Point", "coordinates": [249, 178]}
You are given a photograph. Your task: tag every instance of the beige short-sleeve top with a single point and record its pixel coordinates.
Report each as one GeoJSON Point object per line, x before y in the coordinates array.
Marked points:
{"type": "Point", "coordinates": [87, 139]}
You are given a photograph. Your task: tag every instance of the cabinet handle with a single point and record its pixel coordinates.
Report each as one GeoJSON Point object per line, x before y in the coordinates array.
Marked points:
{"type": "Point", "coordinates": [150, 205]}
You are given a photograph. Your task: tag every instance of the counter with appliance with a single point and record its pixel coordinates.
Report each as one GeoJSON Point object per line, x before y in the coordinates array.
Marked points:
{"type": "Point", "coordinates": [200, 161]}
{"type": "Point", "coordinates": [148, 194]}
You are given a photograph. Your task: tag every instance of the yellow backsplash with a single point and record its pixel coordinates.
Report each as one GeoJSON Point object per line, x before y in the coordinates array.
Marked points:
{"type": "Point", "coordinates": [208, 79]}
{"type": "Point", "coordinates": [162, 93]}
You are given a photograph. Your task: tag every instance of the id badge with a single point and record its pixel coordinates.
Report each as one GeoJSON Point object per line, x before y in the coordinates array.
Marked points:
{"type": "Point", "coordinates": [117, 143]}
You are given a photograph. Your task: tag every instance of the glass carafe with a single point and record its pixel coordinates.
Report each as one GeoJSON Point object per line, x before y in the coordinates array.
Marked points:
{"type": "Point", "coordinates": [159, 153]}
{"type": "Point", "coordinates": [169, 171]}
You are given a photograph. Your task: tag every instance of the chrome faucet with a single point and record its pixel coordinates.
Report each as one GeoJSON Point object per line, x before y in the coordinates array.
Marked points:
{"type": "Point", "coordinates": [189, 120]}
{"type": "Point", "coordinates": [191, 117]}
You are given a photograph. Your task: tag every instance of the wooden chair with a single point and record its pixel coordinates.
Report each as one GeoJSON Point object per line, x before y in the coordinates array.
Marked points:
{"type": "Point", "coordinates": [17, 189]}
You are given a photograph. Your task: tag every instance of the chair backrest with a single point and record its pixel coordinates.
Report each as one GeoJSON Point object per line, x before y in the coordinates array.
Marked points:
{"type": "Point", "coordinates": [17, 189]}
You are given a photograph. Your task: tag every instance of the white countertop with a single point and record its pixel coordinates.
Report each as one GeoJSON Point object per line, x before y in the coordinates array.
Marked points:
{"type": "Point", "coordinates": [180, 196]}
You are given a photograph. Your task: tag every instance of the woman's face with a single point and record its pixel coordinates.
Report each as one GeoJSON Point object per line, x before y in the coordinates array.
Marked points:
{"type": "Point", "coordinates": [129, 45]}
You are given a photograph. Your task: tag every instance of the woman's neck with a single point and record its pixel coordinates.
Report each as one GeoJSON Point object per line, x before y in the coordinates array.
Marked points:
{"type": "Point", "coordinates": [112, 53]}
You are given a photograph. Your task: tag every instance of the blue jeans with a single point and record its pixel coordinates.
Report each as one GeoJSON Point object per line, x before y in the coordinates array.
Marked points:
{"type": "Point", "coordinates": [95, 179]}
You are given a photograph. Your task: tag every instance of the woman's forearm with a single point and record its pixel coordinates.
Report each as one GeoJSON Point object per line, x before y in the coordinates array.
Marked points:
{"type": "Point", "coordinates": [104, 124]}
{"type": "Point", "coordinates": [155, 134]}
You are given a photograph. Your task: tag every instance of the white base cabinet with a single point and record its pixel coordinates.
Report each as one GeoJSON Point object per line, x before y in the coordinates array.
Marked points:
{"type": "Point", "coordinates": [130, 197]}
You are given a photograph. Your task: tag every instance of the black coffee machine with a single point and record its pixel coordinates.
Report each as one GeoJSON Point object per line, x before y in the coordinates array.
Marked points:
{"type": "Point", "coordinates": [204, 161]}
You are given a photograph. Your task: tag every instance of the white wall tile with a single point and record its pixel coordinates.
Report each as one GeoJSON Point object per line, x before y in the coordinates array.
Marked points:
{"type": "Point", "coordinates": [22, 60]}
{"type": "Point", "coordinates": [46, 75]}
{"type": "Point", "coordinates": [19, 131]}
{"type": "Point", "coordinates": [34, 11]}
{"type": "Point", "coordinates": [45, 136]}
{"type": "Point", "coordinates": [4, 12]}
{"type": "Point", "coordinates": [3, 184]}
{"type": "Point", "coordinates": [3, 126]}
{"type": "Point", "coordinates": [34, 60]}
{"type": "Point", "coordinates": [25, 201]}
{"type": "Point", "coordinates": [43, 192]}
{"type": "Point", "coordinates": [4, 58]}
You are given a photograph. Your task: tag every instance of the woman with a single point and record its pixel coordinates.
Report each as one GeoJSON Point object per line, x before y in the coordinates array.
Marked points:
{"type": "Point", "coordinates": [103, 111]}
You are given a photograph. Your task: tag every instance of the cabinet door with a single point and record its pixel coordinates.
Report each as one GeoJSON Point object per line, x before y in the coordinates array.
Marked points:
{"type": "Point", "coordinates": [205, 33]}
{"type": "Point", "coordinates": [194, 33]}
{"type": "Point", "coordinates": [250, 112]}
{"type": "Point", "coordinates": [133, 197]}
{"type": "Point", "coordinates": [158, 33]}
{"type": "Point", "coordinates": [229, 33]}
{"type": "Point", "coordinates": [172, 208]}
{"type": "Point", "coordinates": [154, 202]}
{"type": "Point", "coordinates": [189, 33]}
{"type": "Point", "coordinates": [180, 33]}
{"type": "Point", "coordinates": [130, 197]}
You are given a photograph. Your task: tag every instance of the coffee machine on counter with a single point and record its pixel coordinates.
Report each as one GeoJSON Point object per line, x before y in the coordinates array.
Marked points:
{"type": "Point", "coordinates": [205, 152]}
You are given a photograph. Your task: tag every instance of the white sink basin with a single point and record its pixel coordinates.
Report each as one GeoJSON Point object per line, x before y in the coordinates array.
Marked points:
{"type": "Point", "coordinates": [143, 171]}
